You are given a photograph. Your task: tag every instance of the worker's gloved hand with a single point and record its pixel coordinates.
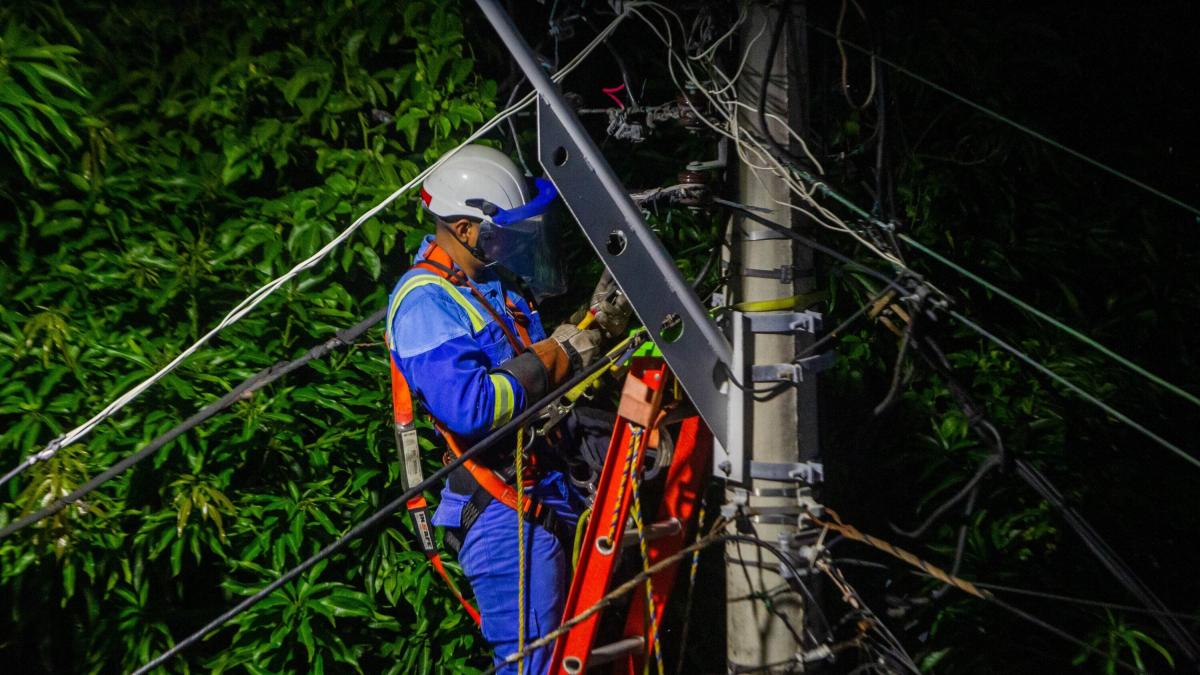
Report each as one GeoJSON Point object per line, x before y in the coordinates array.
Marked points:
{"type": "Point", "coordinates": [566, 350]}
{"type": "Point", "coordinates": [581, 346]}
{"type": "Point", "coordinates": [610, 307]}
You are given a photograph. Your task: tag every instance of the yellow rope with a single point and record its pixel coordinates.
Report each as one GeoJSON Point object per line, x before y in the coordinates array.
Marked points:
{"type": "Point", "coordinates": [629, 455]}
{"type": "Point", "coordinates": [636, 510]}
{"type": "Point", "coordinates": [519, 465]}
{"type": "Point", "coordinates": [579, 529]}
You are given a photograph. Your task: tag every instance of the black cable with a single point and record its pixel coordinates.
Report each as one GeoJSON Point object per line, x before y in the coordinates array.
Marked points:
{"type": "Point", "coordinates": [252, 384]}
{"type": "Point", "coordinates": [388, 509]}
{"type": "Point", "coordinates": [892, 641]}
{"type": "Point", "coordinates": [762, 595]}
{"type": "Point", "coordinates": [793, 575]}
{"type": "Point", "coordinates": [838, 330]}
{"type": "Point", "coordinates": [791, 234]}
{"type": "Point", "coordinates": [897, 369]}
{"type": "Point", "coordinates": [687, 605]}
{"type": "Point", "coordinates": [781, 20]}
{"type": "Point", "coordinates": [1051, 628]}
{"type": "Point", "coordinates": [984, 467]}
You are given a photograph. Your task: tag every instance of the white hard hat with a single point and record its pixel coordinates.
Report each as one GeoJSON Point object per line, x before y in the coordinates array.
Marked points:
{"type": "Point", "coordinates": [484, 176]}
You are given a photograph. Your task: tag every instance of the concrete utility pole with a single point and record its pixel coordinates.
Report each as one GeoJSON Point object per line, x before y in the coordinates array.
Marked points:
{"type": "Point", "coordinates": [767, 266]}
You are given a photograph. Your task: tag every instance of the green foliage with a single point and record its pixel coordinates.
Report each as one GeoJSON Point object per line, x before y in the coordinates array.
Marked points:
{"type": "Point", "coordinates": [156, 166]}
{"type": "Point", "coordinates": [1099, 255]}
{"type": "Point", "coordinates": [39, 86]}
{"type": "Point", "coordinates": [1120, 641]}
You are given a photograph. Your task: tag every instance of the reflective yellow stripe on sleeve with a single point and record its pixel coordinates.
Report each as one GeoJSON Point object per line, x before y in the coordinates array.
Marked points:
{"type": "Point", "coordinates": [477, 321]}
{"type": "Point", "coordinates": [504, 400]}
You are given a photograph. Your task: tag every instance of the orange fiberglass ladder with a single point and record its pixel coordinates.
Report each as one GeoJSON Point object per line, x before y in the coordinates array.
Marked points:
{"type": "Point", "coordinates": [641, 423]}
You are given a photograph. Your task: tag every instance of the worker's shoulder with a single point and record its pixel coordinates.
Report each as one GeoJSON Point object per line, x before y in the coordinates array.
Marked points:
{"type": "Point", "coordinates": [423, 303]}
{"type": "Point", "coordinates": [420, 287]}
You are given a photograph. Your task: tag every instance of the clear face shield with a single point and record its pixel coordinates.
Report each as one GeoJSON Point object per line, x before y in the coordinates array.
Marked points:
{"type": "Point", "coordinates": [524, 240]}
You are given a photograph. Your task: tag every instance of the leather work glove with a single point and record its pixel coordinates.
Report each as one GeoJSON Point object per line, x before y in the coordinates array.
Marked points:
{"type": "Point", "coordinates": [549, 362]}
{"type": "Point", "coordinates": [580, 346]}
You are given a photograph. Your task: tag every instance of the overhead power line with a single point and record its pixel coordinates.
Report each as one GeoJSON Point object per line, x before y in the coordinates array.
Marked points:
{"type": "Point", "coordinates": [251, 385]}
{"type": "Point", "coordinates": [1086, 602]}
{"type": "Point", "coordinates": [1079, 391]}
{"type": "Point", "coordinates": [257, 297]}
{"type": "Point", "coordinates": [1078, 335]}
{"type": "Point", "coordinates": [1010, 122]}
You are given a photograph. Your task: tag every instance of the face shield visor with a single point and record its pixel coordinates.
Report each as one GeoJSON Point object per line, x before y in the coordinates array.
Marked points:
{"type": "Point", "coordinates": [524, 240]}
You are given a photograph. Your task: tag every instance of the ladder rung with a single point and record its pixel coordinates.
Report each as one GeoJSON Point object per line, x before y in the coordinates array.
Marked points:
{"type": "Point", "coordinates": [611, 652]}
{"type": "Point", "coordinates": [663, 528]}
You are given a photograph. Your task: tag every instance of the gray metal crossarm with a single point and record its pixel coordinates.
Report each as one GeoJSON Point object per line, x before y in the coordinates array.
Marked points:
{"type": "Point", "coordinates": [696, 351]}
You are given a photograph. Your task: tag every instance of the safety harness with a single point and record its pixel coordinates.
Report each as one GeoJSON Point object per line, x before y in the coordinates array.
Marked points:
{"type": "Point", "coordinates": [482, 483]}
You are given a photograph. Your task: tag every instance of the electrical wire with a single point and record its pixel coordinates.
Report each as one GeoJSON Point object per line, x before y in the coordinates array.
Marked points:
{"type": "Point", "coordinates": [1073, 600]}
{"type": "Point", "coordinates": [258, 296]}
{"type": "Point", "coordinates": [1079, 391]}
{"type": "Point", "coordinates": [249, 386]}
{"type": "Point", "coordinates": [957, 582]}
{"type": "Point", "coordinates": [792, 234]}
{"type": "Point", "coordinates": [1010, 122]}
{"type": "Point", "coordinates": [747, 141]}
{"type": "Point", "coordinates": [840, 329]}
{"type": "Point", "coordinates": [624, 349]}
{"type": "Point", "coordinates": [1078, 335]}
{"type": "Point", "coordinates": [764, 80]}
{"type": "Point", "coordinates": [742, 144]}
{"type": "Point", "coordinates": [845, 62]}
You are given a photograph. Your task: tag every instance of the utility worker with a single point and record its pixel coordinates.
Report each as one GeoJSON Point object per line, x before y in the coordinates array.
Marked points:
{"type": "Point", "coordinates": [467, 339]}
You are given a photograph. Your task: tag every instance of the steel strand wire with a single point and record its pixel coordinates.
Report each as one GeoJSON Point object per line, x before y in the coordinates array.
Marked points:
{"type": "Point", "coordinates": [1078, 390]}
{"type": "Point", "coordinates": [1009, 121]}
{"type": "Point", "coordinates": [252, 384]}
{"type": "Point", "coordinates": [259, 295]}
{"type": "Point", "coordinates": [616, 356]}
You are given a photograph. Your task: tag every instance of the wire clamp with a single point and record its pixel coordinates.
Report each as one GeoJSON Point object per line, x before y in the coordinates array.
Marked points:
{"type": "Point", "coordinates": [810, 473]}
{"type": "Point", "coordinates": [792, 372]}
{"type": "Point", "coordinates": [785, 322]}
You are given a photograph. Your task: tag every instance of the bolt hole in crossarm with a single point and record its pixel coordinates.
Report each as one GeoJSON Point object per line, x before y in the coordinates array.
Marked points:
{"type": "Point", "coordinates": [616, 242]}
{"type": "Point", "coordinates": [560, 156]}
{"type": "Point", "coordinates": [671, 328]}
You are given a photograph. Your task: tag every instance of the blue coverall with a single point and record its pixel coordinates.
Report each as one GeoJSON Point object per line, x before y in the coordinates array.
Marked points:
{"type": "Point", "coordinates": [446, 345]}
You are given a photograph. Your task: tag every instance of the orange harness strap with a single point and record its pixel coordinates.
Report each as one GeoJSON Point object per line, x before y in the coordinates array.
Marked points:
{"type": "Point", "coordinates": [439, 262]}
{"type": "Point", "coordinates": [410, 459]}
